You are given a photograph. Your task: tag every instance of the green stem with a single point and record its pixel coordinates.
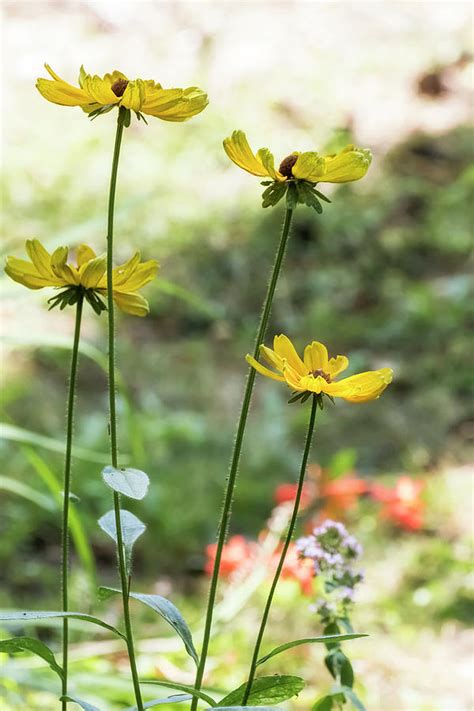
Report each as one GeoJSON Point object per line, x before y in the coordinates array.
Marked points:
{"type": "Point", "coordinates": [229, 494]}
{"type": "Point", "coordinates": [286, 545]}
{"type": "Point", "coordinates": [67, 492]}
{"type": "Point", "coordinates": [124, 583]}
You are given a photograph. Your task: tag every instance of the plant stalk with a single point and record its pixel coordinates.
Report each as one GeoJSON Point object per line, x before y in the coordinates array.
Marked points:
{"type": "Point", "coordinates": [124, 582]}
{"type": "Point", "coordinates": [67, 492]}
{"type": "Point", "coordinates": [229, 493]}
{"type": "Point", "coordinates": [286, 545]}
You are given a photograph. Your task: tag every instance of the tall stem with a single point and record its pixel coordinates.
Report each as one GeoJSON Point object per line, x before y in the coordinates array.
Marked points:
{"type": "Point", "coordinates": [124, 583]}
{"type": "Point", "coordinates": [286, 545]}
{"type": "Point", "coordinates": [67, 492]}
{"type": "Point", "coordinates": [229, 494]}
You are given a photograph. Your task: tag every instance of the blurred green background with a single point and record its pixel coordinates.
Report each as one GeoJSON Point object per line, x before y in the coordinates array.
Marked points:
{"type": "Point", "coordinates": [383, 275]}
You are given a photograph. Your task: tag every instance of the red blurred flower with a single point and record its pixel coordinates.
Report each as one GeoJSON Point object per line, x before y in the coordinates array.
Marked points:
{"type": "Point", "coordinates": [287, 492]}
{"type": "Point", "coordinates": [236, 552]}
{"type": "Point", "coordinates": [402, 504]}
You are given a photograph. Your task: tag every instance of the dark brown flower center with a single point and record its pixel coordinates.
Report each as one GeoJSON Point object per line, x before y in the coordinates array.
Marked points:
{"type": "Point", "coordinates": [286, 165]}
{"type": "Point", "coordinates": [119, 86]}
{"type": "Point", "coordinates": [321, 374]}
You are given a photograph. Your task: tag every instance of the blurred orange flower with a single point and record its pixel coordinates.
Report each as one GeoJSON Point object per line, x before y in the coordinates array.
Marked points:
{"type": "Point", "coordinates": [236, 552]}
{"type": "Point", "coordinates": [402, 504]}
{"type": "Point", "coordinates": [287, 492]}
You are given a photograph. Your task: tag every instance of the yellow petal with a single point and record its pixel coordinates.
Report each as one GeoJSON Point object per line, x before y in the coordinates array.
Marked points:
{"type": "Point", "coordinates": [268, 161]}
{"type": "Point", "coordinates": [337, 365]}
{"type": "Point", "coordinates": [239, 151]}
{"type": "Point", "coordinates": [262, 369]}
{"type": "Point", "coordinates": [140, 276]}
{"type": "Point", "coordinates": [133, 304]}
{"type": "Point", "coordinates": [84, 254]}
{"type": "Point", "coordinates": [316, 357]}
{"type": "Point", "coordinates": [61, 269]}
{"type": "Point", "coordinates": [40, 257]}
{"type": "Point", "coordinates": [133, 95]}
{"type": "Point", "coordinates": [284, 348]}
{"type": "Point", "coordinates": [350, 164]}
{"type": "Point", "coordinates": [309, 166]}
{"type": "Point", "coordinates": [60, 92]}
{"type": "Point", "coordinates": [314, 385]}
{"type": "Point", "coordinates": [361, 387]}
{"type": "Point", "coordinates": [26, 273]}
{"type": "Point", "coordinates": [123, 272]}
{"type": "Point", "coordinates": [92, 272]}
{"type": "Point", "coordinates": [99, 90]}
{"type": "Point", "coordinates": [293, 379]}
{"type": "Point", "coordinates": [271, 357]}
{"type": "Point", "coordinates": [173, 104]}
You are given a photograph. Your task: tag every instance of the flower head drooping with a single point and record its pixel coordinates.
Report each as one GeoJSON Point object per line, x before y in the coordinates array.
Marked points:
{"type": "Point", "coordinates": [97, 95]}
{"type": "Point", "coordinates": [298, 173]}
{"type": "Point", "coordinates": [316, 373]}
{"type": "Point", "coordinates": [87, 277]}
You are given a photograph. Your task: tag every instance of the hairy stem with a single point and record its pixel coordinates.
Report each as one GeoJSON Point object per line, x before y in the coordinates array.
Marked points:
{"type": "Point", "coordinates": [67, 492]}
{"type": "Point", "coordinates": [124, 583]}
{"type": "Point", "coordinates": [286, 545]}
{"type": "Point", "coordinates": [229, 493]}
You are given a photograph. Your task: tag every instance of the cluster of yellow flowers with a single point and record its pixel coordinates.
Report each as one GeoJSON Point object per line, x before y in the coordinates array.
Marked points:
{"type": "Point", "coordinates": [315, 373]}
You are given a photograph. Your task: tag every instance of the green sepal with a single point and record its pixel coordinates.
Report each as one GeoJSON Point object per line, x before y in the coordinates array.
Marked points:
{"type": "Point", "coordinates": [307, 196]}
{"type": "Point", "coordinates": [266, 182]}
{"type": "Point", "coordinates": [273, 194]}
{"type": "Point", "coordinates": [125, 117]}
{"type": "Point", "coordinates": [64, 298]}
{"type": "Point", "coordinates": [321, 196]}
{"type": "Point", "coordinates": [140, 116]}
{"type": "Point", "coordinates": [102, 110]}
{"type": "Point", "coordinates": [295, 397]}
{"type": "Point", "coordinates": [95, 301]}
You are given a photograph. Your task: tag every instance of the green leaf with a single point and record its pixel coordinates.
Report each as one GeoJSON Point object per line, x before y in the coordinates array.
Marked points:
{"type": "Point", "coordinates": [83, 704]}
{"type": "Point", "coordinates": [273, 194]}
{"type": "Point", "coordinates": [244, 708]}
{"type": "Point", "coordinates": [325, 639]}
{"type": "Point", "coordinates": [174, 699]}
{"type": "Point", "coordinates": [166, 610]}
{"type": "Point", "coordinates": [30, 644]}
{"type": "Point", "coordinates": [182, 687]}
{"type": "Point", "coordinates": [129, 482]}
{"type": "Point", "coordinates": [266, 690]}
{"type": "Point", "coordinates": [307, 197]}
{"type": "Point", "coordinates": [27, 492]}
{"type": "Point", "coordinates": [32, 615]}
{"type": "Point", "coordinates": [132, 529]}
{"type": "Point", "coordinates": [291, 197]}
{"type": "Point", "coordinates": [340, 667]}
{"type": "Point", "coordinates": [323, 704]}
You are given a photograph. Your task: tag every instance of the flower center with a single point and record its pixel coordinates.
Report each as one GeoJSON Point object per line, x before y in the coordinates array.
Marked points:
{"type": "Point", "coordinates": [119, 86]}
{"type": "Point", "coordinates": [321, 374]}
{"type": "Point", "coordinates": [286, 165]}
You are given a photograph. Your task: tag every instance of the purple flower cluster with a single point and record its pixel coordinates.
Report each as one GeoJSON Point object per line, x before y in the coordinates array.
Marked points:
{"type": "Point", "coordinates": [333, 551]}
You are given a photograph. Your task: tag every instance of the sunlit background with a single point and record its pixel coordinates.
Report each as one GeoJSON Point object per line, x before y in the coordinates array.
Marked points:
{"type": "Point", "coordinates": [382, 275]}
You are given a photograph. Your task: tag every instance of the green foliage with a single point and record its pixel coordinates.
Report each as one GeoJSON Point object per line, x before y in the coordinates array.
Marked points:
{"type": "Point", "coordinates": [30, 644]}
{"type": "Point", "coordinates": [267, 690]}
{"type": "Point", "coordinates": [165, 609]}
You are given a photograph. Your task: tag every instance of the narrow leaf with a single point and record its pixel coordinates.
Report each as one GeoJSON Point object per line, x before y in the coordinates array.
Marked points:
{"type": "Point", "coordinates": [129, 482]}
{"type": "Point", "coordinates": [325, 639]}
{"type": "Point", "coordinates": [132, 529]}
{"type": "Point", "coordinates": [306, 195]}
{"type": "Point", "coordinates": [166, 610]}
{"type": "Point", "coordinates": [244, 708]}
{"type": "Point", "coordinates": [30, 644]}
{"type": "Point", "coordinates": [273, 194]}
{"type": "Point", "coordinates": [80, 702]}
{"type": "Point", "coordinates": [266, 690]}
{"type": "Point", "coordinates": [32, 615]}
{"type": "Point", "coordinates": [182, 687]}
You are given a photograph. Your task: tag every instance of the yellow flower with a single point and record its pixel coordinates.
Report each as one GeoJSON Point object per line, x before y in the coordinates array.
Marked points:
{"type": "Point", "coordinates": [87, 277]}
{"type": "Point", "coordinates": [316, 373]}
{"type": "Point", "coordinates": [350, 164]}
{"type": "Point", "coordinates": [143, 96]}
